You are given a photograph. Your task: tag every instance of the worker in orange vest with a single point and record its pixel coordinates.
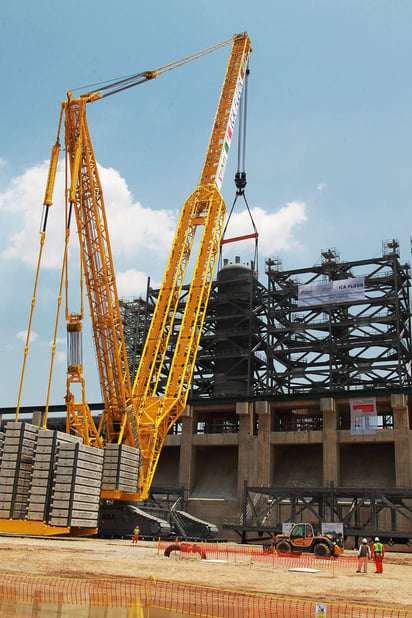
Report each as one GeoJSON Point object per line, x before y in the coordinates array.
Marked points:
{"type": "Point", "coordinates": [378, 552]}
{"type": "Point", "coordinates": [136, 533]}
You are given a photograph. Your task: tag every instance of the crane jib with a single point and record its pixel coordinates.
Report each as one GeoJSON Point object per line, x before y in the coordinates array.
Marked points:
{"type": "Point", "coordinates": [231, 125]}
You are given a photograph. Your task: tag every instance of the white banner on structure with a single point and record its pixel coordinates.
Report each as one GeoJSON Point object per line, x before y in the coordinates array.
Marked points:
{"type": "Point", "coordinates": [363, 416]}
{"type": "Point", "coordinates": [327, 292]}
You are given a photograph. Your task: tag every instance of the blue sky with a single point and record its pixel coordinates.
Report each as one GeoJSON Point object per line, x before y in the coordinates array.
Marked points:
{"type": "Point", "coordinates": [328, 150]}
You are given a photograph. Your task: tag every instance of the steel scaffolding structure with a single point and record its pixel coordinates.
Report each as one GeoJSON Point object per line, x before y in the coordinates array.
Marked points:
{"type": "Point", "coordinates": [258, 340]}
{"type": "Point", "coordinates": [335, 346]}
{"type": "Point", "coordinates": [386, 512]}
{"type": "Point", "coordinates": [233, 345]}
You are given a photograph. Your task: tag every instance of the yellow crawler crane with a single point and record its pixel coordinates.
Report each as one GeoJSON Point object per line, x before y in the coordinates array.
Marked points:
{"type": "Point", "coordinates": [138, 415]}
{"type": "Point", "coordinates": [205, 210]}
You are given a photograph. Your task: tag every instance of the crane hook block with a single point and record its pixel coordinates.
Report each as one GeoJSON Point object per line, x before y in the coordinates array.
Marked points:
{"type": "Point", "coordinates": [240, 182]}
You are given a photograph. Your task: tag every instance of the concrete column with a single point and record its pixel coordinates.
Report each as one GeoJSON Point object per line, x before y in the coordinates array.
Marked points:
{"type": "Point", "coordinates": [264, 451]}
{"type": "Point", "coordinates": [244, 412]}
{"type": "Point", "coordinates": [38, 418]}
{"type": "Point", "coordinates": [187, 459]}
{"type": "Point", "coordinates": [402, 441]}
{"type": "Point", "coordinates": [330, 445]}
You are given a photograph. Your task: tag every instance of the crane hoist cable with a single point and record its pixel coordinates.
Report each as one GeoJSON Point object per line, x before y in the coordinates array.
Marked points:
{"type": "Point", "coordinates": [130, 81]}
{"type": "Point", "coordinates": [240, 181]}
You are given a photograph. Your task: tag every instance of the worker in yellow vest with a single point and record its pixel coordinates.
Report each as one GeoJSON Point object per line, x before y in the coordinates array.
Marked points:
{"type": "Point", "coordinates": [378, 552]}
{"type": "Point", "coordinates": [136, 533]}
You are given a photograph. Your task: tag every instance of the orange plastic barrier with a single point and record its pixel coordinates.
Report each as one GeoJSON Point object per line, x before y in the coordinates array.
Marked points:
{"type": "Point", "coordinates": [234, 553]}
{"type": "Point", "coordinates": [187, 599]}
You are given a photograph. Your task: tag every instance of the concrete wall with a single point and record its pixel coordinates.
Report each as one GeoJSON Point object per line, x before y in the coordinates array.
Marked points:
{"type": "Point", "coordinates": [214, 467]}
{"type": "Point", "coordinates": [297, 465]}
{"type": "Point", "coordinates": [216, 473]}
{"type": "Point", "coordinates": [167, 471]}
{"type": "Point", "coordinates": [367, 465]}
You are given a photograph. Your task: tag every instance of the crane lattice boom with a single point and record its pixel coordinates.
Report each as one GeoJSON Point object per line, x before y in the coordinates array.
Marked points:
{"type": "Point", "coordinates": [204, 210]}
{"type": "Point", "coordinates": [140, 415]}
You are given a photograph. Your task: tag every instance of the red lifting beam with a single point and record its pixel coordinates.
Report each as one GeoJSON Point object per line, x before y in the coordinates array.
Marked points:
{"type": "Point", "coordinates": [224, 241]}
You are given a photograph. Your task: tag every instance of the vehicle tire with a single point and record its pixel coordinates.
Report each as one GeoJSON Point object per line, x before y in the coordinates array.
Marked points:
{"type": "Point", "coordinates": [283, 547]}
{"type": "Point", "coordinates": [322, 550]}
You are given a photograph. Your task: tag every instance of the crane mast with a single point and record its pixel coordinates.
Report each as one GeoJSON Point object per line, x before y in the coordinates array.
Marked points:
{"type": "Point", "coordinates": [86, 199]}
{"type": "Point", "coordinates": [152, 414]}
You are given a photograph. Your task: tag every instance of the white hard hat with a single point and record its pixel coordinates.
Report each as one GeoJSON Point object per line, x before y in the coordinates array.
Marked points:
{"type": "Point", "coordinates": [376, 539]}
{"type": "Point", "coordinates": [364, 541]}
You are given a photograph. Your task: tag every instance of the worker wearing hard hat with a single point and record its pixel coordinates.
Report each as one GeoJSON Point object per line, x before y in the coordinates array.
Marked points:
{"type": "Point", "coordinates": [378, 552]}
{"type": "Point", "coordinates": [136, 533]}
{"type": "Point", "coordinates": [364, 553]}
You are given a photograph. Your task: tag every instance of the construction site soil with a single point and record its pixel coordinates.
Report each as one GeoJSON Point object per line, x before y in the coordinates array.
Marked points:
{"type": "Point", "coordinates": [85, 558]}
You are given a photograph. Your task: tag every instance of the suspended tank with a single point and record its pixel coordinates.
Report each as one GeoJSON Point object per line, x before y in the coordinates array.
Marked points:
{"type": "Point", "coordinates": [234, 328]}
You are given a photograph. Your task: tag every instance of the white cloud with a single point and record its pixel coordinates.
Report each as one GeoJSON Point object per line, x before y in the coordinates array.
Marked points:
{"type": "Point", "coordinates": [133, 283]}
{"type": "Point", "coordinates": [322, 186]}
{"type": "Point", "coordinates": [275, 229]}
{"type": "Point", "coordinates": [132, 227]}
{"type": "Point", "coordinates": [22, 336]}
{"type": "Point", "coordinates": [138, 235]}
{"type": "Point", "coordinates": [61, 357]}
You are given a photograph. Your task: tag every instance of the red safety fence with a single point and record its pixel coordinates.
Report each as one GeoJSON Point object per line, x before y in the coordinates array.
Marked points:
{"type": "Point", "coordinates": [129, 597]}
{"type": "Point", "coordinates": [238, 554]}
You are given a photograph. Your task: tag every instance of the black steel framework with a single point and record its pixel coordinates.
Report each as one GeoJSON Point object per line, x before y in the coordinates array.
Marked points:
{"type": "Point", "coordinates": [386, 512]}
{"type": "Point", "coordinates": [332, 347]}
{"type": "Point", "coordinates": [243, 329]}
{"type": "Point", "coordinates": [276, 347]}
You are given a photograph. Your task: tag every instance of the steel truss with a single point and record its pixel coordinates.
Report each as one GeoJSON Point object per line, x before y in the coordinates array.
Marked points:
{"type": "Point", "coordinates": [275, 347]}
{"type": "Point", "coordinates": [363, 343]}
{"type": "Point", "coordinates": [386, 512]}
{"type": "Point", "coordinates": [136, 316]}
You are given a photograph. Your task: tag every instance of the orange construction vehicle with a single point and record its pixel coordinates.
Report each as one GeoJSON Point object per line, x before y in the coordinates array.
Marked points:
{"type": "Point", "coordinates": [303, 539]}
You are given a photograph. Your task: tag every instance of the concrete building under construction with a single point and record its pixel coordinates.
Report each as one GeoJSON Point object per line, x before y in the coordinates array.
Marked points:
{"type": "Point", "coordinates": [299, 407]}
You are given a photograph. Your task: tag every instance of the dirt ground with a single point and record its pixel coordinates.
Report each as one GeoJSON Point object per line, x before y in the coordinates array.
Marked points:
{"type": "Point", "coordinates": [94, 557]}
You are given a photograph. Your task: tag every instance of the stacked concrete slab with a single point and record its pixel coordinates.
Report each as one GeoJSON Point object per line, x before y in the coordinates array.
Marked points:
{"type": "Point", "coordinates": [121, 468]}
{"type": "Point", "coordinates": [75, 497]}
{"type": "Point", "coordinates": [2, 437]}
{"type": "Point", "coordinates": [16, 468]}
{"type": "Point", "coordinates": [43, 473]}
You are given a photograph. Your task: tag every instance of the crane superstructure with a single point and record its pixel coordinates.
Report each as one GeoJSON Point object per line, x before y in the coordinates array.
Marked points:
{"type": "Point", "coordinates": [139, 415]}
